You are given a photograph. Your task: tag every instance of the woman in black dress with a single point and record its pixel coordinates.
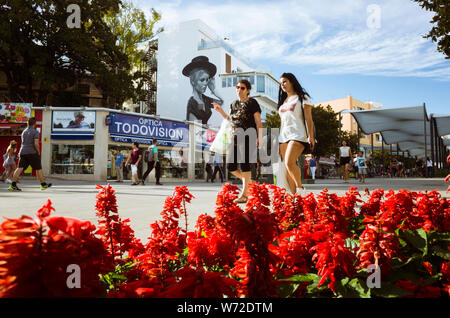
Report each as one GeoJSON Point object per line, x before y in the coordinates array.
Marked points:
{"type": "Point", "coordinates": [245, 115]}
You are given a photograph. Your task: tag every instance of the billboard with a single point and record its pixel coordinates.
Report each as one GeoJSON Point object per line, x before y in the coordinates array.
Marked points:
{"type": "Point", "coordinates": [15, 112]}
{"type": "Point", "coordinates": [132, 128]}
{"type": "Point", "coordinates": [73, 121]}
{"type": "Point", "coordinates": [200, 73]}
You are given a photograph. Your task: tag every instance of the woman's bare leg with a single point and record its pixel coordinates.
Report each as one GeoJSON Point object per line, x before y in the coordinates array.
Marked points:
{"type": "Point", "coordinates": [293, 151]}
{"type": "Point", "coordinates": [291, 182]}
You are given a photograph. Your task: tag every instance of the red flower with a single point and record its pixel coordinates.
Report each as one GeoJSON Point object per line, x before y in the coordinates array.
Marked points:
{"type": "Point", "coordinates": [35, 254]}
{"type": "Point", "coordinates": [334, 260]}
{"type": "Point", "coordinates": [200, 284]}
{"type": "Point", "coordinates": [419, 290]}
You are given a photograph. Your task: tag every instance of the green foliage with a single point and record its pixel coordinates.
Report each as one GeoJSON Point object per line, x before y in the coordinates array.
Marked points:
{"type": "Point", "coordinates": [41, 56]}
{"type": "Point", "coordinates": [132, 31]}
{"type": "Point", "coordinates": [439, 33]}
{"type": "Point", "coordinates": [114, 279]}
{"type": "Point", "coordinates": [327, 130]}
{"type": "Point", "coordinates": [273, 120]}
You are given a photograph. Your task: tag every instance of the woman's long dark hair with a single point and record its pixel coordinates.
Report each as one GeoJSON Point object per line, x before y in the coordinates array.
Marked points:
{"type": "Point", "coordinates": [297, 88]}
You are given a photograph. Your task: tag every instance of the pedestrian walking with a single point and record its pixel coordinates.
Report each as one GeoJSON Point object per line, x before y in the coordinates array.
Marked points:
{"type": "Point", "coordinates": [218, 167]}
{"type": "Point", "coordinates": [345, 153]}
{"type": "Point", "coordinates": [245, 116]}
{"type": "Point", "coordinates": [134, 159]}
{"type": "Point", "coordinates": [296, 130]}
{"type": "Point", "coordinates": [153, 162]}
{"type": "Point", "coordinates": [355, 167]}
{"type": "Point", "coordinates": [29, 155]}
{"type": "Point", "coordinates": [313, 166]}
{"type": "Point", "coordinates": [119, 165]}
{"type": "Point", "coordinates": [9, 162]}
{"type": "Point", "coordinates": [209, 168]}
{"type": "Point", "coordinates": [429, 167]}
{"type": "Point", "coordinates": [362, 167]}
{"type": "Point", "coordinates": [393, 167]}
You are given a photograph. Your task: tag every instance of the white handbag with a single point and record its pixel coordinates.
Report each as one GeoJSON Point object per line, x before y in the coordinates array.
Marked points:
{"type": "Point", "coordinates": [223, 138]}
{"type": "Point", "coordinates": [280, 175]}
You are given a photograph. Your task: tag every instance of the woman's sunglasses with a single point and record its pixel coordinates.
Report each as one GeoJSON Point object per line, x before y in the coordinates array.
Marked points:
{"type": "Point", "coordinates": [242, 88]}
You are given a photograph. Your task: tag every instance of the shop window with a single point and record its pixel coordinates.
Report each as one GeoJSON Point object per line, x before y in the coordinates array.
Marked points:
{"type": "Point", "coordinates": [72, 159]}
{"type": "Point", "coordinates": [173, 163]}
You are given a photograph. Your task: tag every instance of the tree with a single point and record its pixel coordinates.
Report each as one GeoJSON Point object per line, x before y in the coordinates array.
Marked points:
{"type": "Point", "coordinates": [132, 29]}
{"type": "Point", "coordinates": [42, 56]}
{"type": "Point", "coordinates": [440, 32]}
{"type": "Point", "coordinates": [326, 130]}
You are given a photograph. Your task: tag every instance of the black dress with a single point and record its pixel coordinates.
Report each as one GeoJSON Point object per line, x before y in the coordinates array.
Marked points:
{"type": "Point", "coordinates": [200, 114]}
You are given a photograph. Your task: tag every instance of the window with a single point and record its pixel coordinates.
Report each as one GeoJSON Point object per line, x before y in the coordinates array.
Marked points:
{"type": "Point", "coordinates": [173, 163]}
{"type": "Point", "coordinates": [234, 81]}
{"type": "Point", "coordinates": [252, 79]}
{"type": "Point", "coordinates": [224, 82]}
{"type": "Point", "coordinates": [229, 80]}
{"type": "Point", "coordinates": [72, 159]}
{"type": "Point", "coordinates": [260, 82]}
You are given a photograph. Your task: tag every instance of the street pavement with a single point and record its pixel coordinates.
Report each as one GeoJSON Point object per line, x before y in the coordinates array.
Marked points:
{"type": "Point", "coordinates": [143, 204]}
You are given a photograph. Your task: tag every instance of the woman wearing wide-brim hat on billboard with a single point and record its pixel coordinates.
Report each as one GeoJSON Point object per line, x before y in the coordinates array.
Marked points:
{"type": "Point", "coordinates": [201, 73]}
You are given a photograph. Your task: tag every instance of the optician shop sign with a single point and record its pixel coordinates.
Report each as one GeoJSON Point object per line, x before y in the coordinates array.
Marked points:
{"type": "Point", "coordinates": [130, 128]}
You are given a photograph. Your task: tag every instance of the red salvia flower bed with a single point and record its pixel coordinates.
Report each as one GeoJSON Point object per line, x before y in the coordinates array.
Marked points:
{"type": "Point", "coordinates": [279, 245]}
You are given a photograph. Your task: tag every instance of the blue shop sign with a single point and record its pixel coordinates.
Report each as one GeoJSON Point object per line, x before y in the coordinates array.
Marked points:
{"type": "Point", "coordinates": [131, 128]}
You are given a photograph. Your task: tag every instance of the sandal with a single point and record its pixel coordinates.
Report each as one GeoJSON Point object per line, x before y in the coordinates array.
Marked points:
{"type": "Point", "coordinates": [242, 199]}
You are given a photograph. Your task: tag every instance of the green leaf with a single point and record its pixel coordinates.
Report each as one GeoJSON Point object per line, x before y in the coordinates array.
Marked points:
{"type": "Point", "coordinates": [418, 239]}
{"type": "Point", "coordinates": [301, 278]}
{"type": "Point", "coordinates": [351, 243]}
{"type": "Point", "coordinates": [389, 290]}
{"type": "Point", "coordinates": [359, 287]}
{"type": "Point", "coordinates": [442, 253]}
{"type": "Point", "coordinates": [287, 290]}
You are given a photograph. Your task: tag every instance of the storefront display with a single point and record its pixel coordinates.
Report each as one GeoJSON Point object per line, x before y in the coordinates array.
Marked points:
{"type": "Point", "coordinates": [72, 159]}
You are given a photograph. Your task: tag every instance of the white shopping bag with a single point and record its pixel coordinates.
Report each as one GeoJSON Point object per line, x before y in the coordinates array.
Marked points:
{"type": "Point", "coordinates": [280, 175]}
{"type": "Point", "coordinates": [223, 138]}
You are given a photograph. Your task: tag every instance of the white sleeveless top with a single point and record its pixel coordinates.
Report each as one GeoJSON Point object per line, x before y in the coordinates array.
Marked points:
{"type": "Point", "coordinates": [345, 151]}
{"type": "Point", "coordinates": [292, 123]}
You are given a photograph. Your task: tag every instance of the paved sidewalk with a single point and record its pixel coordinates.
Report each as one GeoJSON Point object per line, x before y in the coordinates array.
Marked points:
{"type": "Point", "coordinates": [143, 204]}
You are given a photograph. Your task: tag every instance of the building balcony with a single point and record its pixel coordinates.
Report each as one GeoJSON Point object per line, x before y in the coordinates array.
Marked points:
{"type": "Point", "coordinates": [206, 45]}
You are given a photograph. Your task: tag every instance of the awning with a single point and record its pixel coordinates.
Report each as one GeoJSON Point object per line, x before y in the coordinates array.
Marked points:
{"type": "Point", "coordinates": [405, 126]}
{"type": "Point", "coordinates": [443, 125]}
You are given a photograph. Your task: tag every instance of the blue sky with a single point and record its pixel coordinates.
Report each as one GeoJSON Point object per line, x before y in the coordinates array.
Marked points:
{"type": "Point", "coordinates": [372, 50]}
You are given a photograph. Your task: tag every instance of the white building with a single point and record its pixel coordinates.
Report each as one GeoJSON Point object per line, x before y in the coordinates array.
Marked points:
{"type": "Point", "coordinates": [192, 41]}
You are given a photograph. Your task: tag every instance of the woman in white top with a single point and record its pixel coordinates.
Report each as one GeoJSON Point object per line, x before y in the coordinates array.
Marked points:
{"type": "Point", "coordinates": [294, 136]}
{"type": "Point", "coordinates": [345, 153]}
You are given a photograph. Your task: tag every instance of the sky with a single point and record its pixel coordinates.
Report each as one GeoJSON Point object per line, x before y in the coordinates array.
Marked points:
{"type": "Point", "coordinates": [372, 50]}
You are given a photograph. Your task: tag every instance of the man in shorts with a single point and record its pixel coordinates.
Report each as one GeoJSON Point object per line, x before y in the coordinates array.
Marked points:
{"type": "Point", "coordinates": [29, 155]}
{"type": "Point", "coordinates": [134, 159]}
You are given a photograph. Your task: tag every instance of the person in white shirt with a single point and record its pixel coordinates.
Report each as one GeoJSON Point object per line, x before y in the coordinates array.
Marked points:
{"type": "Point", "coordinates": [345, 153]}
{"type": "Point", "coordinates": [429, 167]}
{"type": "Point", "coordinates": [297, 127]}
